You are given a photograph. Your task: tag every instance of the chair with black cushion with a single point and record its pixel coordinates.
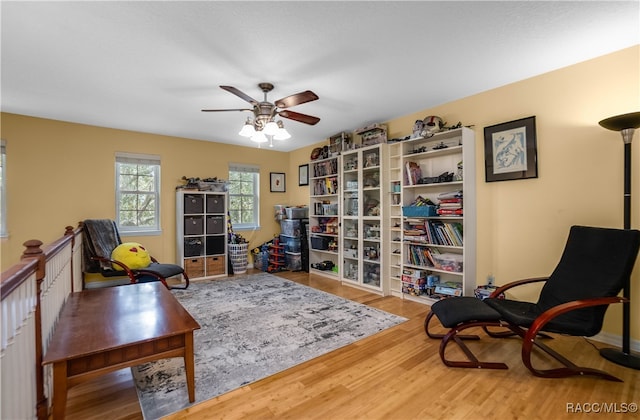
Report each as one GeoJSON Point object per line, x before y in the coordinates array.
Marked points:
{"type": "Point", "coordinates": [595, 266]}
{"type": "Point", "coordinates": [101, 237]}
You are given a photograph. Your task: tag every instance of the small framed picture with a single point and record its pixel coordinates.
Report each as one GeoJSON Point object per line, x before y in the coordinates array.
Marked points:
{"type": "Point", "coordinates": [303, 174]}
{"type": "Point", "coordinates": [510, 150]}
{"type": "Point", "coordinates": [277, 182]}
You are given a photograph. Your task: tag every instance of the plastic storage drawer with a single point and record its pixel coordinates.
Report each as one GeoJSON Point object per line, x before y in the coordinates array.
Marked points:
{"type": "Point", "coordinates": [290, 244]}
{"type": "Point", "coordinates": [290, 227]}
{"type": "Point", "coordinates": [293, 261]}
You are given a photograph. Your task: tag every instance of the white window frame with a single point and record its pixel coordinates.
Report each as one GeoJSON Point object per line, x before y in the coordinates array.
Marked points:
{"type": "Point", "coordinates": [4, 233]}
{"type": "Point", "coordinates": [255, 170]}
{"type": "Point", "coordinates": [150, 160]}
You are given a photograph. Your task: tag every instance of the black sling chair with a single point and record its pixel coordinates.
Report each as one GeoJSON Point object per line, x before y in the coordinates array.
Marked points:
{"type": "Point", "coordinates": [101, 237]}
{"type": "Point", "coordinates": [595, 266]}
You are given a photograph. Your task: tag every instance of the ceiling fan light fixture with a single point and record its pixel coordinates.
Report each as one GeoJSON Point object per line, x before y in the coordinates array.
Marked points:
{"type": "Point", "coordinates": [282, 133]}
{"type": "Point", "coordinates": [263, 127]}
{"type": "Point", "coordinates": [270, 128]}
{"type": "Point", "coordinates": [259, 137]}
{"type": "Point", "coordinates": [247, 129]}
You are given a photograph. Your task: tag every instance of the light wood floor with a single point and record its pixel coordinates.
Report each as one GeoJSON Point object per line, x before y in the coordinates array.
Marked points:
{"type": "Point", "coordinates": [396, 374]}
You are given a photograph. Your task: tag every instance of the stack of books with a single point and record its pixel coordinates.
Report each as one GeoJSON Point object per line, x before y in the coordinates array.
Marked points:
{"type": "Point", "coordinates": [450, 204]}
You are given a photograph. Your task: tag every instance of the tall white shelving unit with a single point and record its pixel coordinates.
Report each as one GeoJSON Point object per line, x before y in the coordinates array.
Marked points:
{"type": "Point", "coordinates": [444, 152]}
{"type": "Point", "coordinates": [364, 220]}
{"type": "Point", "coordinates": [324, 215]}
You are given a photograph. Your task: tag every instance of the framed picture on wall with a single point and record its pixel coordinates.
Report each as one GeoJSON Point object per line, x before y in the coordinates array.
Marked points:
{"type": "Point", "coordinates": [277, 182]}
{"type": "Point", "coordinates": [510, 150]}
{"type": "Point", "coordinates": [303, 175]}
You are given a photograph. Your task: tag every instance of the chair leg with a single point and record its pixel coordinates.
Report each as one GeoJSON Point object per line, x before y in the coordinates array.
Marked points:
{"type": "Point", "coordinates": [569, 369]}
{"type": "Point", "coordinates": [452, 334]}
{"type": "Point", "coordinates": [431, 334]}
{"type": "Point", "coordinates": [473, 361]}
{"type": "Point", "coordinates": [186, 283]}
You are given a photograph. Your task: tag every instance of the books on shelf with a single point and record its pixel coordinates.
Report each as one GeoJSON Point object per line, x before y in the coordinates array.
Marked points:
{"type": "Point", "coordinates": [421, 255]}
{"type": "Point", "coordinates": [325, 186]}
{"type": "Point", "coordinates": [450, 204]}
{"type": "Point", "coordinates": [434, 232]}
{"type": "Point", "coordinates": [328, 167]}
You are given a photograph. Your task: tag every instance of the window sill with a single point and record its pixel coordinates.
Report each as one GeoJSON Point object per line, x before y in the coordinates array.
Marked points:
{"type": "Point", "coordinates": [245, 228]}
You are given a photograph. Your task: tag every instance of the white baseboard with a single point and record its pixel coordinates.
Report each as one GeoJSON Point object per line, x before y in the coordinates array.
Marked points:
{"type": "Point", "coordinates": [615, 340]}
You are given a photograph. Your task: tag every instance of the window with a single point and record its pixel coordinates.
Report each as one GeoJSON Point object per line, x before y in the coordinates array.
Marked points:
{"type": "Point", "coordinates": [244, 196]}
{"type": "Point", "coordinates": [3, 183]}
{"type": "Point", "coordinates": [138, 194]}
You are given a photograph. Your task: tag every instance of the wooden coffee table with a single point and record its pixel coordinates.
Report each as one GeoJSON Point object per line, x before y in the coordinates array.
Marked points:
{"type": "Point", "coordinates": [104, 330]}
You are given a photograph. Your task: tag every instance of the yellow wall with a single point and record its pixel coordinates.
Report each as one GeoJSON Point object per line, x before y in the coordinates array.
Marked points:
{"type": "Point", "coordinates": [522, 225]}
{"type": "Point", "coordinates": [60, 173]}
{"type": "Point", "coordinates": [67, 170]}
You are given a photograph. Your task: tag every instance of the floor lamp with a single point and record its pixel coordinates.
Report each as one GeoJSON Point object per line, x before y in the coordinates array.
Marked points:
{"type": "Point", "coordinates": [626, 124]}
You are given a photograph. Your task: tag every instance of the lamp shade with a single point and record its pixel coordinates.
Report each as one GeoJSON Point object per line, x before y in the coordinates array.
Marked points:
{"type": "Point", "coordinates": [247, 129]}
{"type": "Point", "coordinates": [282, 133]}
{"type": "Point", "coordinates": [270, 128]}
{"type": "Point", "coordinates": [259, 137]}
{"type": "Point", "coordinates": [621, 122]}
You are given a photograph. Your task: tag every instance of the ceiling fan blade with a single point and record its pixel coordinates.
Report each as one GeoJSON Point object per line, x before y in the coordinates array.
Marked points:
{"type": "Point", "coordinates": [296, 116]}
{"type": "Point", "coordinates": [221, 110]}
{"type": "Point", "coordinates": [297, 99]}
{"type": "Point", "coordinates": [240, 94]}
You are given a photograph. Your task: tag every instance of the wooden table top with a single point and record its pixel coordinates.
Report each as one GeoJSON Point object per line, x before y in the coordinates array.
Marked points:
{"type": "Point", "coordinates": [96, 320]}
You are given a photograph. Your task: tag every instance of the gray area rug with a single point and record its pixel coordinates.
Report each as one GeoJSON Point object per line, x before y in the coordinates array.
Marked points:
{"type": "Point", "coordinates": [253, 326]}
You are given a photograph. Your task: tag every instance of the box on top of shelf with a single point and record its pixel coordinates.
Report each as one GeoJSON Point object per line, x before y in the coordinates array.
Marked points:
{"type": "Point", "coordinates": [372, 134]}
{"type": "Point", "coordinates": [297, 212]}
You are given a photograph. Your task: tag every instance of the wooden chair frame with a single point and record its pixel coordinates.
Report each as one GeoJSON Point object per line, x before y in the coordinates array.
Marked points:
{"type": "Point", "coordinates": [530, 337]}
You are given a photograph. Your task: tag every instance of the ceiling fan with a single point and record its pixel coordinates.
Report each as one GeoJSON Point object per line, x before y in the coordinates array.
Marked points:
{"type": "Point", "coordinates": [265, 112]}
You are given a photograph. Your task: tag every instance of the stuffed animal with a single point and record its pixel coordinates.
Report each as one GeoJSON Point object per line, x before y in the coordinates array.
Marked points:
{"type": "Point", "coordinates": [131, 254]}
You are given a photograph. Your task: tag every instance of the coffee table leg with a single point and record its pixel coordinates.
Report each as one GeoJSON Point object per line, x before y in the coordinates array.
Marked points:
{"type": "Point", "coordinates": [189, 365]}
{"type": "Point", "coordinates": [59, 389]}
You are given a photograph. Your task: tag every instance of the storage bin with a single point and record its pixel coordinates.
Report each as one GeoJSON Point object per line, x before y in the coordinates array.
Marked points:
{"type": "Point", "coordinates": [293, 261]}
{"type": "Point", "coordinates": [319, 242]}
{"type": "Point", "coordinates": [419, 211]}
{"type": "Point", "coordinates": [215, 225]}
{"type": "Point", "coordinates": [193, 204]}
{"type": "Point", "coordinates": [215, 265]}
{"type": "Point", "coordinates": [297, 212]}
{"type": "Point", "coordinates": [215, 203]}
{"type": "Point", "coordinates": [290, 227]}
{"type": "Point", "coordinates": [215, 244]}
{"type": "Point", "coordinates": [238, 254]}
{"type": "Point", "coordinates": [194, 267]}
{"type": "Point", "coordinates": [290, 244]}
{"type": "Point", "coordinates": [193, 247]}
{"type": "Point", "coordinates": [448, 262]}
{"type": "Point", "coordinates": [193, 225]}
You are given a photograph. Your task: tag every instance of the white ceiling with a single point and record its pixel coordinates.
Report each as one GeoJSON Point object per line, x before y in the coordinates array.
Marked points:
{"type": "Point", "coordinates": [152, 66]}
